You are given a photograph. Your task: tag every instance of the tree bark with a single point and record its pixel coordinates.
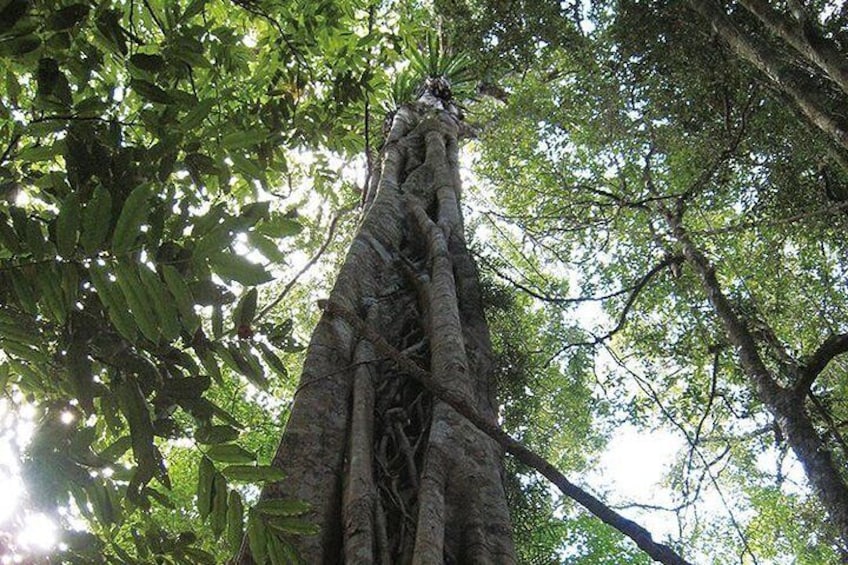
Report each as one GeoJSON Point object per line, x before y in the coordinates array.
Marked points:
{"type": "Point", "coordinates": [393, 475]}
{"type": "Point", "coordinates": [804, 39]}
{"type": "Point", "coordinates": [767, 62]}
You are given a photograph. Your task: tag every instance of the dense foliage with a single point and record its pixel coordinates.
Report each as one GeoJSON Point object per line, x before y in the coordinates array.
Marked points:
{"type": "Point", "coordinates": [151, 186]}
{"type": "Point", "coordinates": [168, 169]}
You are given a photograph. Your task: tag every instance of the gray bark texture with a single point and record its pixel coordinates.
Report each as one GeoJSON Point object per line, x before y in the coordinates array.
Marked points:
{"type": "Point", "coordinates": [392, 474]}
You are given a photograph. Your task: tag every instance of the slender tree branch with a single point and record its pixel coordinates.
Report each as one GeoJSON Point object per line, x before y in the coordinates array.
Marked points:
{"type": "Point", "coordinates": [741, 226]}
{"type": "Point", "coordinates": [693, 443]}
{"type": "Point", "coordinates": [155, 17]}
{"type": "Point", "coordinates": [668, 261]}
{"type": "Point", "coordinates": [622, 317]}
{"type": "Point", "coordinates": [289, 285]}
{"type": "Point", "coordinates": [643, 539]}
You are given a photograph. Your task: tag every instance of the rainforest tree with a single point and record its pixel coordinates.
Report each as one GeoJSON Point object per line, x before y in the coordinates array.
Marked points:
{"type": "Point", "coordinates": [174, 173]}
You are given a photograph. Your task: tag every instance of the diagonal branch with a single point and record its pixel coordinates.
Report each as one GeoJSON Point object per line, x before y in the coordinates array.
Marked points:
{"type": "Point", "coordinates": [643, 539]}
{"type": "Point", "coordinates": [831, 347]}
{"type": "Point", "coordinates": [308, 265]}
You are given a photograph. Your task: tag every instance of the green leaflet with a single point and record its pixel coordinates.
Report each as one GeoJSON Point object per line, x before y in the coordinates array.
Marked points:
{"type": "Point", "coordinates": [219, 504]}
{"type": "Point", "coordinates": [197, 114]}
{"type": "Point", "coordinates": [242, 139]}
{"type": "Point", "coordinates": [235, 520]}
{"type": "Point", "coordinates": [292, 525]}
{"type": "Point", "coordinates": [230, 453]}
{"type": "Point", "coordinates": [253, 473]}
{"type": "Point", "coordinates": [215, 435]}
{"type": "Point", "coordinates": [113, 299]}
{"type": "Point", "coordinates": [205, 479]}
{"type": "Point", "coordinates": [150, 91]}
{"type": "Point", "coordinates": [67, 226]}
{"type": "Point", "coordinates": [232, 267]}
{"type": "Point", "coordinates": [257, 537]}
{"type": "Point", "coordinates": [133, 214]}
{"type": "Point", "coordinates": [182, 295]}
{"type": "Point", "coordinates": [96, 219]}
{"type": "Point", "coordinates": [245, 309]}
{"type": "Point", "coordinates": [137, 299]}
{"type": "Point", "coordinates": [281, 507]}
{"type": "Point", "coordinates": [163, 302]}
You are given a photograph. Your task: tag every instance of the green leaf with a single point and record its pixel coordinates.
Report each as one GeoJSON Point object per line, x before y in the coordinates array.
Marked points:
{"type": "Point", "coordinates": [253, 474]}
{"type": "Point", "coordinates": [245, 310]}
{"type": "Point", "coordinates": [51, 293]}
{"type": "Point", "coordinates": [185, 388]}
{"type": "Point", "coordinates": [133, 214]}
{"type": "Point", "coordinates": [67, 226]}
{"type": "Point", "coordinates": [149, 63]}
{"type": "Point", "coordinates": [26, 292]}
{"type": "Point", "coordinates": [116, 449]}
{"type": "Point", "coordinates": [96, 219]}
{"type": "Point", "coordinates": [205, 479]}
{"type": "Point", "coordinates": [38, 153]}
{"type": "Point", "coordinates": [292, 525]}
{"type": "Point", "coordinates": [257, 538]}
{"type": "Point", "coordinates": [35, 239]}
{"type": "Point", "coordinates": [137, 299]}
{"type": "Point", "coordinates": [248, 167]}
{"type": "Point", "coordinates": [150, 91]}
{"type": "Point", "coordinates": [197, 114]}
{"type": "Point", "coordinates": [230, 453]}
{"type": "Point", "coordinates": [182, 294]}
{"type": "Point", "coordinates": [19, 46]}
{"type": "Point", "coordinates": [113, 299]}
{"type": "Point", "coordinates": [163, 302]}
{"type": "Point", "coordinates": [232, 267]}
{"type": "Point", "coordinates": [67, 17]}
{"type": "Point", "coordinates": [235, 521]}
{"type": "Point", "coordinates": [281, 507]}
{"type": "Point", "coordinates": [273, 360]}
{"type": "Point", "coordinates": [219, 505]}
{"type": "Point", "coordinates": [266, 246]}
{"type": "Point", "coordinates": [216, 434]}
{"type": "Point", "coordinates": [135, 408]}
{"type": "Point", "coordinates": [279, 226]}
{"type": "Point", "coordinates": [24, 352]}
{"type": "Point", "coordinates": [243, 139]}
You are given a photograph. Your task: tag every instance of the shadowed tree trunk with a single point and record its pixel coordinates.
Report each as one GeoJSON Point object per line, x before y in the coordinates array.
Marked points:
{"type": "Point", "coordinates": [392, 474]}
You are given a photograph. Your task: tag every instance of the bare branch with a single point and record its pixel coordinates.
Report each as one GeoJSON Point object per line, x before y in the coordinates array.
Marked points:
{"type": "Point", "coordinates": [289, 285]}
{"type": "Point", "coordinates": [622, 318]}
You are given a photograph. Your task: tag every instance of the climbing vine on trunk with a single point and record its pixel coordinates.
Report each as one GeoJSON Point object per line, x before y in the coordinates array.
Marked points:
{"type": "Point", "coordinates": [392, 475]}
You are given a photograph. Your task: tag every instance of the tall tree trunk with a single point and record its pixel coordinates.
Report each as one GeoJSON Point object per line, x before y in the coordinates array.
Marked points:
{"type": "Point", "coordinates": [783, 80]}
{"type": "Point", "coordinates": [393, 475]}
{"type": "Point", "coordinates": [787, 404]}
{"type": "Point", "coordinates": [802, 35]}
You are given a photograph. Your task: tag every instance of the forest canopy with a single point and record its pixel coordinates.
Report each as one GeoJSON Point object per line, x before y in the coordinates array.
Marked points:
{"type": "Point", "coordinates": [655, 194]}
